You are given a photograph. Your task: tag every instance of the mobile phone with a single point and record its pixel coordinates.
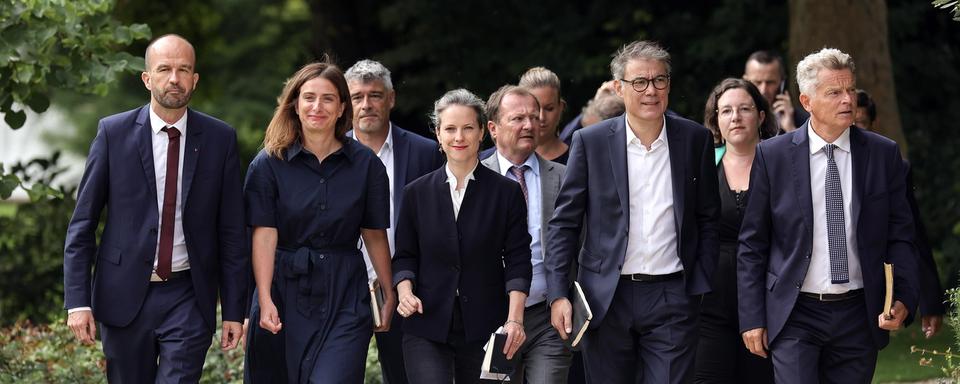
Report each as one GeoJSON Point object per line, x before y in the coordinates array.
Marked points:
{"type": "Point", "coordinates": [783, 87]}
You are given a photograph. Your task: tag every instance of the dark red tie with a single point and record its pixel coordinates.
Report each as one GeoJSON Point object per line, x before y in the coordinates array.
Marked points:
{"type": "Point", "coordinates": [518, 173]}
{"type": "Point", "coordinates": [169, 211]}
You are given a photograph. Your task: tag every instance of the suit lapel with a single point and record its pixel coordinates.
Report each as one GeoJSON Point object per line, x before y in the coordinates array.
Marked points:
{"type": "Point", "coordinates": [677, 143]}
{"type": "Point", "coordinates": [191, 153]}
{"type": "Point", "coordinates": [492, 163]}
{"type": "Point", "coordinates": [800, 157]}
{"type": "Point", "coordinates": [617, 141]}
{"type": "Point", "coordinates": [860, 158]}
{"type": "Point", "coordinates": [401, 148]}
{"type": "Point", "coordinates": [145, 145]}
{"type": "Point", "coordinates": [549, 189]}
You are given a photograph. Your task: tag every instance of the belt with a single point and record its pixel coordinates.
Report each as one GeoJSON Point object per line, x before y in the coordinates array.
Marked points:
{"type": "Point", "coordinates": [154, 278]}
{"type": "Point", "coordinates": [827, 297]}
{"type": "Point", "coordinates": [639, 277]}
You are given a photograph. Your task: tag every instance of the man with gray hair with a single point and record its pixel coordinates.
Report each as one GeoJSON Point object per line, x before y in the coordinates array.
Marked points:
{"type": "Point", "coordinates": [827, 209]}
{"type": "Point", "coordinates": [514, 114]}
{"type": "Point", "coordinates": [642, 188]}
{"type": "Point", "coordinates": [406, 157]}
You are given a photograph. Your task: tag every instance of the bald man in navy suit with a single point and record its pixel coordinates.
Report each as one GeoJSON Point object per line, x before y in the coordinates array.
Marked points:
{"type": "Point", "coordinates": [172, 245]}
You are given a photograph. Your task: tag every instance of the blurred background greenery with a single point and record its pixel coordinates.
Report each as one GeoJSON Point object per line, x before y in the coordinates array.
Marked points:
{"type": "Point", "coordinates": [247, 48]}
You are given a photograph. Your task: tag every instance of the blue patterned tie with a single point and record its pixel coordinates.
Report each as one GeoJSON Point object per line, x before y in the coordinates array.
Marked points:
{"type": "Point", "coordinates": [836, 229]}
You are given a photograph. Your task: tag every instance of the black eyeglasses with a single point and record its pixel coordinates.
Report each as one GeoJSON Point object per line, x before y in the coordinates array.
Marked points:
{"type": "Point", "coordinates": [640, 84]}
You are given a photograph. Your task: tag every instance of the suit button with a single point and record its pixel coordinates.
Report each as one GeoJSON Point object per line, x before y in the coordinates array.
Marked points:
{"type": "Point", "coordinates": [322, 256]}
{"type": "Point", "coordinates": [323, 206]}
{"type": "Point", "coordinates": [464, 298]}
{"type": "Point", "coordinates": [323, 181]}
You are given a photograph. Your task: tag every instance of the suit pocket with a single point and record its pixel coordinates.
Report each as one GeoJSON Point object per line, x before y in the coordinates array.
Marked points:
{"type": "Point", "coordinates": [771, 281]}
{"type": "Point", "coordinates": [110, 253]}
{"type": "Point", "coordinates": [589, 261]}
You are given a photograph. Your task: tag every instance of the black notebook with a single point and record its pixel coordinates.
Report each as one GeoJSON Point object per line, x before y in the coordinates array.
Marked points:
{"type": "Point", "coordinates": [376, 302]}
{"type": "Point", "coordinates": [495, 361]}
{"type": "Point", "coordinates": [581, 314]}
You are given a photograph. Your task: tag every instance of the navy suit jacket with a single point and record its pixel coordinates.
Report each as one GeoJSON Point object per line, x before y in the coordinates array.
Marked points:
{"type": "Point", "coordinates": [776, 236]}
{"type": "Point", "coordinates": [119, 176]}
{"type": "Point", "coordinates": [594, 198]}
{"type": "Point", "coordinates": [483, 255]}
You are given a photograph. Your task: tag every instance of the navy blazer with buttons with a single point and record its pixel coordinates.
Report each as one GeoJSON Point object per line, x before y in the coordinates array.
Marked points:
{"type": "Point", "coordinates": [482, 255]}
{"type": "Point", "coordinates": [119, 176]}
{"type": "Point", "coordinates": [776, 237]}
{"type": "Point", "coordinates": [594, 198]}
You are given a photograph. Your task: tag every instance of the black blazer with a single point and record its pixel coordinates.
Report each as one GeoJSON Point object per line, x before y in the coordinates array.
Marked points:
{"type": "Point", "coordinates": [483, 255]}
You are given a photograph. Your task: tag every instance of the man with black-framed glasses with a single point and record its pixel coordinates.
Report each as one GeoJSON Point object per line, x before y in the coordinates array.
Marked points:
{"type": "Point", "coordinates": [643, 190]}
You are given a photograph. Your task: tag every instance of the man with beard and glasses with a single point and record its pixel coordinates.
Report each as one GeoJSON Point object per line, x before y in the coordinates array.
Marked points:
{"type": "Point", "coordinates": [172, 243]}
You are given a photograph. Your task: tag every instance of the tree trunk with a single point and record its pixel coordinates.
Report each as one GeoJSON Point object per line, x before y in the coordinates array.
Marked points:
{"type": "Point", "coordinates": [859, 28]}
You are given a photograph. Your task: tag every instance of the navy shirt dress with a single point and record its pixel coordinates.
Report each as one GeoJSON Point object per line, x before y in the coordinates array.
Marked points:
{"type": "Point", "coordinates": [320, 280]}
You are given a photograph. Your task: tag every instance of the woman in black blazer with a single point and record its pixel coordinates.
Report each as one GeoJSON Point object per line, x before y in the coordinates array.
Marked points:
{"type": "Point", "coordinates": [462, 258]}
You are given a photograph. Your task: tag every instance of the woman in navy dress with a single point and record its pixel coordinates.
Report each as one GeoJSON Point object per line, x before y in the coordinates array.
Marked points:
{"type": "Point", "coordinates": [462, 254]}
{"type": "Point", "coordinates": [738, 115]}
{"type": "Point", "coordinates": [311, 193]}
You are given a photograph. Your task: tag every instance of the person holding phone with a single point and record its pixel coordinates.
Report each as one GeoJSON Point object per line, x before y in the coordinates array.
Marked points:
{"type": "Point", "coordinates": [765, 69]}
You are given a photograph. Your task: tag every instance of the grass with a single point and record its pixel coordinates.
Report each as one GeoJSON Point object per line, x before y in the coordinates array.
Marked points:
{"type": "Point", "coordinates": [896, 364]}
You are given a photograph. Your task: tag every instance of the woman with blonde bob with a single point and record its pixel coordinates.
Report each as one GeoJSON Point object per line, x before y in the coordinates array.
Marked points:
{"type": "Point", "coordinates": [310, 194]}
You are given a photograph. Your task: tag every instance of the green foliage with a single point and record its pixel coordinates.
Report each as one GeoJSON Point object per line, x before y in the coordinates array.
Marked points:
{"type": "Point", "coordinates": [952, 5]}
{"type": "Point", "coordinates": [372, 374]}
{"type": "Point", "coordinates": [47, 354]}
{"type": "Point", "coordinates": [944, 357]}
{"type": "Point", "coordinates": [50, 354]}
{"type": "Point", "coordinates": [60, 44]}
{"type": "Point", "coordinates": [222, 367]}
{"type": "Point", "coordinates": [31, 242]}
{"type": "Point", "coordinates": [34, 177]}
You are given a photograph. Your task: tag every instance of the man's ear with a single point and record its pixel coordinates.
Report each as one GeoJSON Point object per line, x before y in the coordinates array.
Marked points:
{"type": "Point", "coordinates": [805, 101]}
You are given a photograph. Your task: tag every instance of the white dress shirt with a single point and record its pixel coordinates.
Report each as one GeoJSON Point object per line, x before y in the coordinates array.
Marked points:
{"type": "Point", "coordinates": [456, 195]}
{"type": "Point", "coordinates": [180, 260]}
{"type": "Point", "coordinates": [386, 157]}
{"type": "Point", "coordinates": [818, 273]}
{"type": "Point", "coordinates": [538, 284]}
{"type": "Point", "coordinates": [652, 234]}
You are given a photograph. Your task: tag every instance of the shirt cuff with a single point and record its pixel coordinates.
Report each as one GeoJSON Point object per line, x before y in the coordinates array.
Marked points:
{"type": "Point", "coordinates": [78, 309]}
